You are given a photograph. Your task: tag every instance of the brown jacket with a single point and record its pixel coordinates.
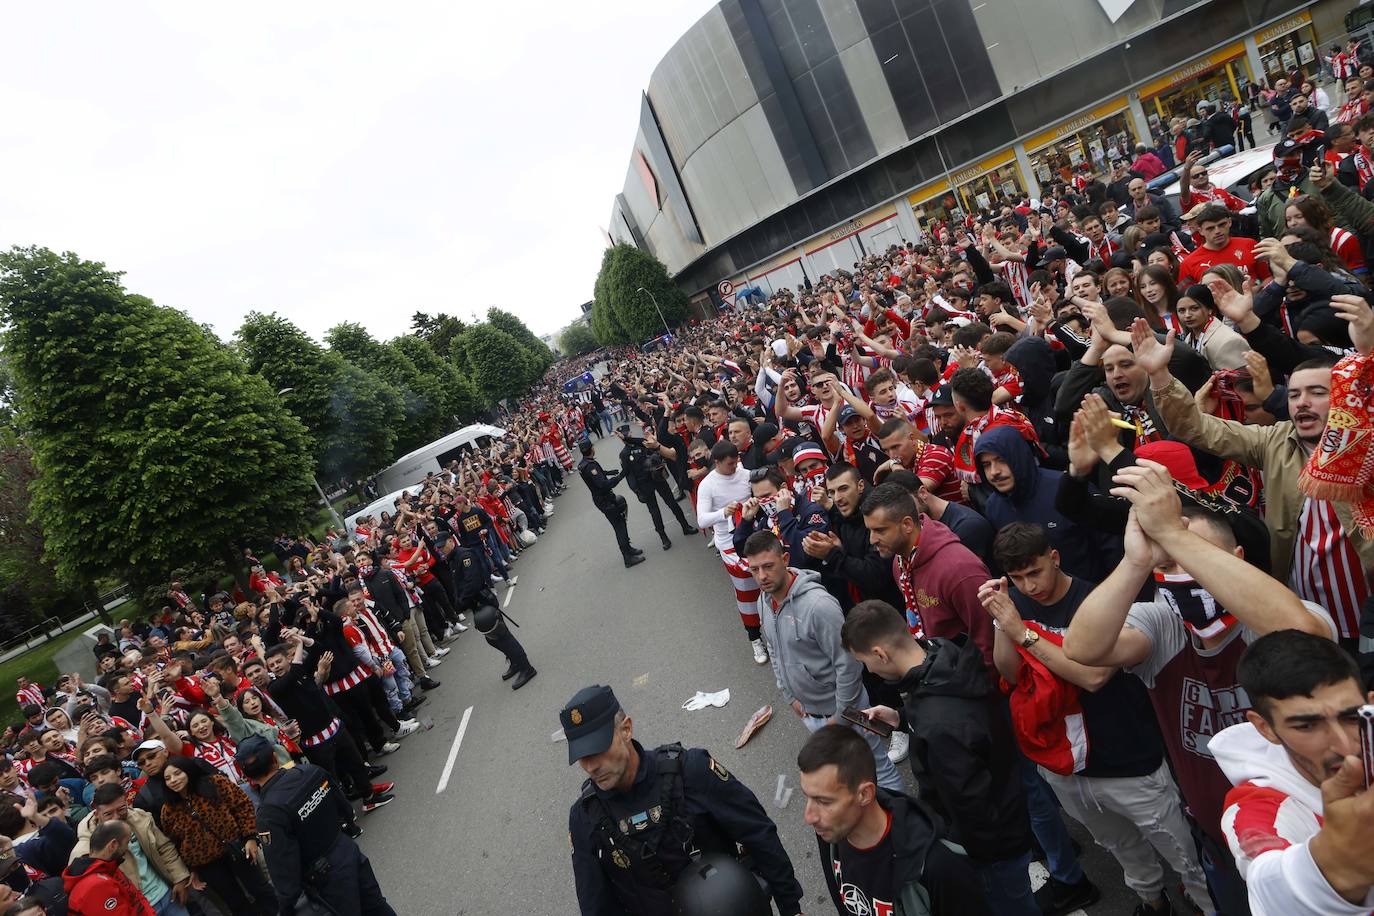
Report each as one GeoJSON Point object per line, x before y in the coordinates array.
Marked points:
{"type": "Point", "coordinates": [160, 851]}
{"type": "Point", "coordinates": [204, 836]}
{"type": "Point", "coordinates": [1277, 451]}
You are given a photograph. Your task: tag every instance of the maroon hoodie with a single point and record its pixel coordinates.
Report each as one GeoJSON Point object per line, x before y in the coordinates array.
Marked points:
{"type": "Point", "coordinates": [945, 578]}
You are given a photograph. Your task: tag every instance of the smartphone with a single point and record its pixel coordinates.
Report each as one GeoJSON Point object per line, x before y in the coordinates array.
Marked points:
{"type": "Point", "coordinates": [878, 726]}
{"type": "Point", "coordinates": [1366, 714]}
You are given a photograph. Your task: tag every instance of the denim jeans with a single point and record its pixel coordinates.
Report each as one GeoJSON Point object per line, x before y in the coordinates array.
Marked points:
{"type": "Point", "coordinates": [1048, 825]}
{"type": "Point", "coordinates": [1006, 885]}
{"type": "Point", "coordinates": [168, 906]}
{"type": "Point", "coordinates": [888, 777]}
{"type": "Point", "coordinates": [498, 547]}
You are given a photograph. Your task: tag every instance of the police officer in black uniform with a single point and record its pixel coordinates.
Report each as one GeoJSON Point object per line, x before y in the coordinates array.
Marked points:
{"type": "Point", "coordinates": [645, 815]}
{"type": "Point", "coordinates": [604, 498]}
{"type": "Point", "coordinates": [475, 595]}
{"type": "Point", "coordinates": [306, 830]}
{"type": "Point", "coordinates": [644, 467]}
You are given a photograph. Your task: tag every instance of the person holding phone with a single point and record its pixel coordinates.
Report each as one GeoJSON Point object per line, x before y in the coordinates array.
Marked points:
{"type": "Point", "coordinates": [1300, 819]}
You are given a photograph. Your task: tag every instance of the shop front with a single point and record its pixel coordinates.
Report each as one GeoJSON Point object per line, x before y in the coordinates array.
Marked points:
{"type": "Point", "coordinates": [1219, 76]}
{"type": "Point", "coordinates": [1288, 46]}
{"type": "Point", "coordinates": [1097, 137]}
{"type": "Point", "coordinates": [983, 185]}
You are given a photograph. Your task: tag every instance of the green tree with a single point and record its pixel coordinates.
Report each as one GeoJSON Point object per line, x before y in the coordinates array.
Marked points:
{"type": "Point", "coordinates": [542, 356]}
{"type": "Point", "coordinates": [437, 330]}
{"type": "Point", "coordinates": [352, 414]}
{"type": "Point", "coordinates": [625, 270]}
{"type": "Point", "coordinates": [577, 339]}
{"type": "Point", "coordinates": [498, 365]}
{"type": "Point", "coordinates": [460, 399]}
{"type": "Point", "coordinates": [152, 441]}
{"type": "Point", "coordinates": [29, 588]}
{"type": "Point", "coordinates": [422, 395]}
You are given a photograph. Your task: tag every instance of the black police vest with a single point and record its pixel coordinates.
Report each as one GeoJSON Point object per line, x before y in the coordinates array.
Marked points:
{"type": "Point", "coordinates": [642, 859]}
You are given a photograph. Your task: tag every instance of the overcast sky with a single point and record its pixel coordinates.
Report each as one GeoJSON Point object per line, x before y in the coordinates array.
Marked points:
{"type": "Point", "coordinates": [329, 161]}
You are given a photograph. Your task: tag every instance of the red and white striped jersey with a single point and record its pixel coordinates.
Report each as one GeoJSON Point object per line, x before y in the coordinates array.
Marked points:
{"type": "Point", "coordinates": [30, 694]}
{"type": "Point", "coordinates": [1326, 567]}
{"type": "Point", "coordinates": [1017, 277]}
{"type": "Point", "coordinates": [1345, 244]}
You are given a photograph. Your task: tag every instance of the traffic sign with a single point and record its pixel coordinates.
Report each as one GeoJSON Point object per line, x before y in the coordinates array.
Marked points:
{"type": "Point", "coordinates": [725, 288]}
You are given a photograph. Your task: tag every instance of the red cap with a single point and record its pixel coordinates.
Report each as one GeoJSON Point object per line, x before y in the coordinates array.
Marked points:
{"type": "Point", "coordinates": [1177, 458]}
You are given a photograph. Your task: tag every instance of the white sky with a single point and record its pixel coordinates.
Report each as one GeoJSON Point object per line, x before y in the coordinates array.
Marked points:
{"type": "Point", "coordinates": [329, 161]}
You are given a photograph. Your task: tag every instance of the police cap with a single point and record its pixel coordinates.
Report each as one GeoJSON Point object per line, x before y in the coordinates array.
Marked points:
{"type": "Point", "coordinates": [589, 721]}
{"type": "Point", "coordinates": [586, 446]}
{"type": "Point", "coordinates": [255, 756]}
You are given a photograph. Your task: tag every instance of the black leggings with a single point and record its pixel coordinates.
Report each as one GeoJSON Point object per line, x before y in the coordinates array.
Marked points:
{"type": "Point", "coordinates": [340, 756]}
{"type": "Point", "coordinates": [240, 884]}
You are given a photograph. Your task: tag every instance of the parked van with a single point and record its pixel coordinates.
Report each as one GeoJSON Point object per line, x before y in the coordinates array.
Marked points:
{"type": "Point", "coordinates": [432, 458]}
{"type": "Point", "coordinates": [375, 508]}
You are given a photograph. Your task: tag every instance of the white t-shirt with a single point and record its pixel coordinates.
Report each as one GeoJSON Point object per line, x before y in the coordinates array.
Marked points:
{"type": "Point", "coordinates": [715, 493]}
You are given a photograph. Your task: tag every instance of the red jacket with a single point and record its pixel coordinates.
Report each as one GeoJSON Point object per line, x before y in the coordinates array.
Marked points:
{"type": "Point", "coordinates": [96, 887]}
{"type": "Point", "coordinates": [944, 588]}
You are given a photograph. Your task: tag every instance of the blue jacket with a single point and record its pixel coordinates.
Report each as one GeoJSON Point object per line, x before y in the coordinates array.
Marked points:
{"type": "Point", "coordinates": [793, 526]}
{"type": "Point", "coordinates": [1032, 500]}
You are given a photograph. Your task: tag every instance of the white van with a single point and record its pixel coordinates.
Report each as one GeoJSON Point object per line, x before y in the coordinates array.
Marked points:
{"type": "Point", "coordinates": [375, 508]}
{"type": "Point", "coordinates": [433, 458]}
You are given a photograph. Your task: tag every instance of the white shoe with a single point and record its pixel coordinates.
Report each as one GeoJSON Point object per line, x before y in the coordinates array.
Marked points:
{"type": "Point", "coordinates": [408, 727]}
{"type": "Point", "coordinates": [495, 579]}
{"type": "Point", "coordinates": [462, 618]}
{"type": "Point", "coordinates": [460, 628]}
{"type": "Point", "coordinates": [432, 662]}
{"type": "Point", "coordinates": [441, 651]}
{"type": "Point", "coordinates": [390, 747]}
{"type": "Point", "coordinates": [900, 746]}
{"type": "Point", "coordinates": [448, 632]}
{"type": "Point", "coordinates": [760, 653]}
{"type": "Point", "coordinates": [512, 581]}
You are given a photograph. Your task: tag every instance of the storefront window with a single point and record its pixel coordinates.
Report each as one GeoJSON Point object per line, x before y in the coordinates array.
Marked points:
{"type": "Point", "coordinates": [1295, 51]}
{"type": "Point", "coordinates": [985, 191]}
{"type": "Point", "coordinates": [1220, 83]}
{"type": "Point", "coordinates": [941, 209]}
{"type": "Point", "coordinates": [1111, 138]}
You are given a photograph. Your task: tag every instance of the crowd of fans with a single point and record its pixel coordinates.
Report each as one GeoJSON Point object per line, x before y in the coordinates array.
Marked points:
{"type": "Point", "coordinates": [1088, 489]}
{"type": "Point", "coordinates": [1075, 497]}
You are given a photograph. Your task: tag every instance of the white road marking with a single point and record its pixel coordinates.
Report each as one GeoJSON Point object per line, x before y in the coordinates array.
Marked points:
{"type": "Point", "coordinates": [890, 59]}
{"type": "Point", "coordinates": [453, 751]}
{"type": "Point", "coordinates": [505, 602]}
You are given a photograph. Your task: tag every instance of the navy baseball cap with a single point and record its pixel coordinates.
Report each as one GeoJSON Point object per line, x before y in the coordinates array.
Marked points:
{"type": "Point", "coordinates": [589, 721]}
{"type": "Point", "coordinates": [847, 413]}
{"type": "Point", "coordinates": [942, 397]}
{"type": "Point", "coordinates": [255, 756]}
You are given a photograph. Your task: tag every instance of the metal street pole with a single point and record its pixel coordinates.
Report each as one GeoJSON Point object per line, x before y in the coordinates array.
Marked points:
{"type": "Point", "coordinates": [319, 489]}
{"type": "Point", "coordinates": [656, 308]}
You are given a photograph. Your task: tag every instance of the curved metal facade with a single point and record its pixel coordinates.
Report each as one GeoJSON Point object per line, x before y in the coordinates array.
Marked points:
{"type": "Point", "coordinates": [771, 121]}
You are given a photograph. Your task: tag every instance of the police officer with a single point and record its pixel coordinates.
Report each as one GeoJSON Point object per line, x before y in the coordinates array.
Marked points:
{"type": "Point", "coordinates": [306, 830]}
{"type": "Point", "coordinates": [475, 595]}
{"type": "Point", "coordinates": [604, 498]}
{"type": "Point", "coordinates": [643, 816]}
{"type": "Point", "coordinates": [642, 461]}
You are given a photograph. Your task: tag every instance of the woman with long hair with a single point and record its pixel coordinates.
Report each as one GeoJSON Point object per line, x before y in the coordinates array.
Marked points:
{"type": "Point", "coordinates": [1312, 212]}
{"type": "Point", "coordinates": [209, 741]}
{"type": "Point", "coordinates": [1163, 256]}
{"type": "Point", "coordinates": [1222, 347]}
{"type": "Point", "coordinates": [1157, 293]}
{"type": "Point", "coordinates": [257, 718]}
{"type": "Point", "coordinates": [214, 827]}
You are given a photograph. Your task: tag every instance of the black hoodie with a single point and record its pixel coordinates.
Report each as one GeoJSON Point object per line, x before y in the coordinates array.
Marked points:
{"type": "Point", "coordinates": [963, 752]}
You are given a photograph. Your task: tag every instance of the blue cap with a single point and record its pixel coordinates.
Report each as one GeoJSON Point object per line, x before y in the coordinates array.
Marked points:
{"type": "Point", "coordinates": [589, 721]}
{"type": "Point", "coordinates": [255, 756]}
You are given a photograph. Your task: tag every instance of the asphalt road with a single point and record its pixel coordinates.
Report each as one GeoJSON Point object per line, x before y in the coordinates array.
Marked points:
{"type": "Point", "coordinates": [494, 838]}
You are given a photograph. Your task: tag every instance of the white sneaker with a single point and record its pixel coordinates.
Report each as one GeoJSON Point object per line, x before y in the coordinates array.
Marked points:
{"type": "Point", "coordinates": [899, 747]}
{"type": "Point", "coordinates": [495, 579]}
{"type": "Point", "coordinates": [460, 628]}
{"type": "Point", "coordinates": [408, 727]}
{"type": "Point", "coordinates": [760, 653]}
{"type": "Point", "coordinates": [462, 618]}
{"type": "Point", "coordinates": [448, 632]}
{"type": "Point", "coordinates": [441, 651]}
{"type": "Point", "coordinates": [432, 662]}
{"type": "Point", "coordinates": [390, 747]}
{"type": "Point", "coordinates": [512, 581]}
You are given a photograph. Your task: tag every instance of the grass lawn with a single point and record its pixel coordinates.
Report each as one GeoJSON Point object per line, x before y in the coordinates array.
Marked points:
{"type": "Point", "coordinates": [38, 665]}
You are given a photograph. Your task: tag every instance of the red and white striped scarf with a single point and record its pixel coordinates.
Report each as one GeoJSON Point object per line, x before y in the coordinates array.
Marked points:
{"type": "Point", "coordinates": [219, 753]}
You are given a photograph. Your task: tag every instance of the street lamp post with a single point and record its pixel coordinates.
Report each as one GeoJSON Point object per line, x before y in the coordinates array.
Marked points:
{"type": "Point", "coordinates": [313, 479]}
{"type": "Point", "coordinates": [656, 308]}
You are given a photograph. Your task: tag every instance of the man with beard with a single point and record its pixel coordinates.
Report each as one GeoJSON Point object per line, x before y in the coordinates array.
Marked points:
{"type": "Point", "coordinates": [1311, 547]}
